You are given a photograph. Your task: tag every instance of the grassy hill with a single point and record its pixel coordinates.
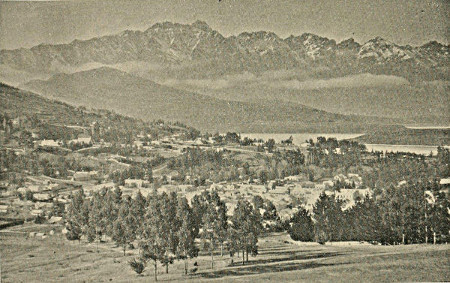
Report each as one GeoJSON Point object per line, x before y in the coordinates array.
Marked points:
{"type": "Point", "coordinates": [280, 259]}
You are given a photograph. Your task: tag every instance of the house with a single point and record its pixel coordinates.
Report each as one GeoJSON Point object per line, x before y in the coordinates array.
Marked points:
{"type": "Point", "coordinates": [42, 197]}
{"type": "Point", "coordinates": [55, 219]}
{"type": "Point", "coordinates": [320, 187]}
{"type": "Point", "coordinates": [173, 176]}
{"type": "Point", "coordinates": [51, 187]}
{"type": "Point", "coordinates": [328, 183]}
{"type": "Point", "coordinates": [48, 143]}
{"type": "Point", "coordinates": [85, 176]}
{"type": "Point", "coordinates": [34, 188]}
{"type": "Point", "coordinates": [138, 144]}
{"type": "Point", "coordinates": [81, 140]}
{"type": "Point", "coordinates": [308, 184]}
{"type": "Point", "coordinates": [4, 208]}
{"type": "Point", "coordinates": [445, 182]}
{"type": "Point", "coordinates": [295, 178]}
{"type": "Point", "coordinates": [37, 212]}
{"type": "Point", "coordinates": [136, 183]}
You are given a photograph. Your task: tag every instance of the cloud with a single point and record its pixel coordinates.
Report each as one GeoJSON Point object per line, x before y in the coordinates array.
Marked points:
{"type": "Point", "coordinates": [288, 79]}
{"type": "Point", "coordinates": [228, 81]}
{"type": "Point", "coordinates": [355, 81]}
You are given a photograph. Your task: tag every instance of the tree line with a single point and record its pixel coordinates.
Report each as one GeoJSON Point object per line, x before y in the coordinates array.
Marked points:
{"type": "Point", "coordinates": [410, 213]}
{"type": "Point", "coordinates": [165, 226]}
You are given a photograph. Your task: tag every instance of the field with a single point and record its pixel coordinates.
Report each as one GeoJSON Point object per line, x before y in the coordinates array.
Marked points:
{"type": "Point", "coordinates": [55, 259]}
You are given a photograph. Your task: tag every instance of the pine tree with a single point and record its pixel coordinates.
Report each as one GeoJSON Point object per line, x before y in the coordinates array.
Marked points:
{"type": "Point", "coordinates": [75, 218]}
{"type": "Point", "coordinates": [124, 228]}
{"type": "Point", "coordinates": [246, 227]}
{"type": "Point", "coordinates": [138, 210]}
{"type": "Point", "coordinates": [97, 219]}
{"type": "Point", "coordinates": [302, 228]}
{"type": "Point", "coordinates": [153, 236]}
{"type": "Point", "coordinates": [186, 242]}
{"type": "Point", "coordinates": [329, 218]}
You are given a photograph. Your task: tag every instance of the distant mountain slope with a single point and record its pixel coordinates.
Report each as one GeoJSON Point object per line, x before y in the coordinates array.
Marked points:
{"type": "Point", "coordinates": [126, 94]}
{"type": "Point", "coordinates": [205, 52]}
{"type": "Point", "coordinates": [365, 94]}
{"type": "Point", "coordinates": [401, 135]}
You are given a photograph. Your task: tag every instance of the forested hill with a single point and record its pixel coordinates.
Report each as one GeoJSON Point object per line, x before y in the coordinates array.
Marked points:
{"type": "Point", "coordinates": [401, 135]}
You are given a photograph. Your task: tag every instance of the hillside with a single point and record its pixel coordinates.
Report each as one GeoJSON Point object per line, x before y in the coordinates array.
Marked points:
{"type": "Point", "coordinates": [402, 135]}
{"type": "Point", "coordinates": [130, 95]}
{"type": "Point", "coordinates": [382, 96]}
{"type": "Point", "coordinates": [44, 112]}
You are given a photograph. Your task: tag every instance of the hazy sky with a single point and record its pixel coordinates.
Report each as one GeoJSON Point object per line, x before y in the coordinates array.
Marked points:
{"type": "Point", "coordinates": [25, 24]}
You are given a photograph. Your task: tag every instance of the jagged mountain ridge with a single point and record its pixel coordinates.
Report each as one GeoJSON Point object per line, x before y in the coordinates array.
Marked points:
{"type": "Point", "coordinates": [172, 44]}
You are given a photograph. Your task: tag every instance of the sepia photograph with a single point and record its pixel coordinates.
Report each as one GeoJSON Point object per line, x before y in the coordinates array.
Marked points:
{"type": "Point", "coordinates": [224, 141]}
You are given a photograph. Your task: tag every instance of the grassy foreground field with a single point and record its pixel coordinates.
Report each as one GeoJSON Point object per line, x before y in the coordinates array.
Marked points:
{"type": "Point", "coordinates": [55, 259]}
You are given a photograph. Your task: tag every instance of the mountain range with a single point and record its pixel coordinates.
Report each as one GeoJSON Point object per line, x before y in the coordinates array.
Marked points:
{"type": "Point", "coordinates": [172, 44]}
{"type": "Point", "coordinates": [178, 70]}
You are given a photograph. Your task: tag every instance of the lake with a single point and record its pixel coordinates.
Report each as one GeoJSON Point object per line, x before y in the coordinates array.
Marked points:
{"type": "Point", "coordinates": [418, 149]}
{"type": "Point", "coordinates": [301, 138]}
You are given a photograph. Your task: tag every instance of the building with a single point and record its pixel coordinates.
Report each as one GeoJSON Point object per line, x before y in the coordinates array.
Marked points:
{"type": "Point", "coordinates": [42, 197]}
{"type": "Point", "coordinates": [37, 212]}
{"type": "Point", "coordinates": [82, 139]}
{"type": "Point", "coordinates": [85, 176]}
{"type": "Point", "coordinates": [4, 208]}
{"type": "Point", "coordinates": [48, 143]}
{"type": "Point", "coordinates": [136, 183]}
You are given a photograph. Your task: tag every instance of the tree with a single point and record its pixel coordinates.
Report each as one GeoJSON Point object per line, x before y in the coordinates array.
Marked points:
{"type": "Point", "coordinates": [246, 226]}
{"type": "Point", "coordinates": [74, 217]}
{"type": "Point", "coordinates": [97, 219]}
{"type": "Point", "coordinates": [112, 202]}
{"type": "Point", "coordinates": [270, 144]}
{"type": "Point", "coordinates": [186, 241]}
{"type": "Point", "coordinates": [302, 228]}
{"type": "Point", "coordinates": [263, 176]}
{"type": "Point", "coordinates": [258, 202]}
{"type": "Point", "coordinates": [124, 228]}
{"type": "Point", "coordinates": [153, 235]}
{"type": "Point", "coordinates": [209, 234]}
{"type": "Point", "coordinates": [137, 265]}
{"type": "Point", "coordinates": [138, 211]}
{"type": "Point", "coordinates": [328, 216]}
{"type": "Point", "coordinates": [271, 211]}
{"type": "Point", "coordinates": [169, 227]}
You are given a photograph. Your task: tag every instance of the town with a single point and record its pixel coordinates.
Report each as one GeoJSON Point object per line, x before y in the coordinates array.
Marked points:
{"type": "Point", "coordinates": [56, 168]}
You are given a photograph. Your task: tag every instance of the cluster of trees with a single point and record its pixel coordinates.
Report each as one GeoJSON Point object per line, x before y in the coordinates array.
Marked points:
{"type": "Point", "coordinates": [144, 172]}
{"type": "Point", "coordinates": [205, 164]}
{"type": "Point", "coordinates": [221, 166]}
{"type": "Point", "coordinates": [331, 153]}
{"type": "Point", "coordinates": [269, 145]}
{"type": "Point", "coordinates": [165, 226]}
{"type": "Point", "coordinates": [411, 213]}
{"type": "Point", "coordinates": [74, 146]}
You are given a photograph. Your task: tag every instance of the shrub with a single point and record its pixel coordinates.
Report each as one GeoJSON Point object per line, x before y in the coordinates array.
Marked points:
{"type": "Point", "coordinates": [137, 266]}
{"type": "Point", "coordinates": [28, 195]}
